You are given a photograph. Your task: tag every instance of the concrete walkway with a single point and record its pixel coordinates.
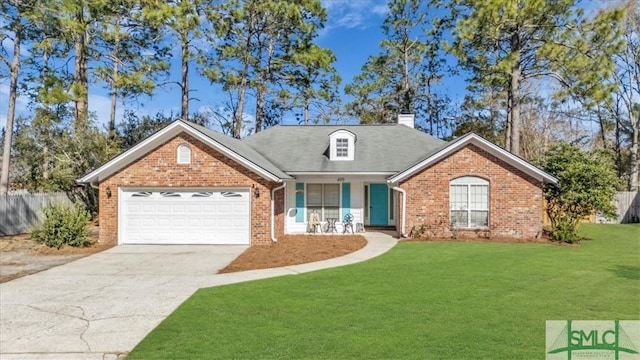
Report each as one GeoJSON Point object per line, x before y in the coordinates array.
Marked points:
{"type": "Point", "coordinates": [102, 306]}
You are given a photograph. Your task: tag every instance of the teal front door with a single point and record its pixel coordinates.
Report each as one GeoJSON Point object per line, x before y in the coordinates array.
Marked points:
{"type": "Point", "coordinates": [378, 204]}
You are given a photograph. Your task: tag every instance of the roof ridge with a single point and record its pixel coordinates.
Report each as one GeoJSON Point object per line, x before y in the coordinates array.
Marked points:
{"type": "Point", "coordinates": [236, 147]}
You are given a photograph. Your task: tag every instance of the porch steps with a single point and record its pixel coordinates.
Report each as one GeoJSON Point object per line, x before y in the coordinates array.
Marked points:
{"type": "Point", "coordinates": [374, 228]}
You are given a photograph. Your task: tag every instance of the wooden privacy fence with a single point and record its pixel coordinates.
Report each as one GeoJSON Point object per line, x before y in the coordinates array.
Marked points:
{"type": "Point", "coordinates": [547, 221]}
{"type": "Point", "coordinates": [627, 205]}
{"type": "Point", "coordinates": [21, 212]}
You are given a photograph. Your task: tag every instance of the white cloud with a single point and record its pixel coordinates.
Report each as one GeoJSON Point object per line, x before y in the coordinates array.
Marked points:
{"type": "Point", "coordinates": [351, 14]}
{"type": "Point", "coordinates": [381, 10]}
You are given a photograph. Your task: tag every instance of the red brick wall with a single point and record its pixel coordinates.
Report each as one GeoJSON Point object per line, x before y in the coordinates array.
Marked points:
{"type": "Point", "coordinates": [515, 199]}
{"type": "Point", "coordinates": [279, 211]}
{"type": "Point", "coordinates": [208, 168]}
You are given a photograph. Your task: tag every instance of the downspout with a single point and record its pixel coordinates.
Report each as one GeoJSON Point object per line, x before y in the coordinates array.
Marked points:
{"type": "Point", "coordinates": [273, 211]}
{"type": "Point", "coordinates": [404, 207]}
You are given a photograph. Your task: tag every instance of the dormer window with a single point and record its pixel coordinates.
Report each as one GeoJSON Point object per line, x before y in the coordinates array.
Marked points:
{"type": "Point", "coordinates": [342, 145]}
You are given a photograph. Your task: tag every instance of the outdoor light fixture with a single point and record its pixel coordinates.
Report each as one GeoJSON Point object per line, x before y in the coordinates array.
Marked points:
{"type": "Point", "coordinates": [256, 192]}
{"type": "Point", "coordinates": [108, 192]}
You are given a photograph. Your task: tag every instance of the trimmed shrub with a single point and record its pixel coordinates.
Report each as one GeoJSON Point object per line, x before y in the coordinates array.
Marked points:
{"type": "Point", "coordinates": [587, 183]}
{"type": "Point", "coordinates": [63, 225]}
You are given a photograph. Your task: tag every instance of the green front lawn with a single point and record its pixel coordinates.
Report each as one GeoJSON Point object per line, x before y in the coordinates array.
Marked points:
{"type": "Point", "coordinates": [438, 300]}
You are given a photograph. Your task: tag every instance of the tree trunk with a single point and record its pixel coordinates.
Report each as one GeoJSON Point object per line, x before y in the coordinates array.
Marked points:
{"type": "Point", "coordinates": [507, 132]}
{"type": "Point", "coordinates": [81, 77]}
{"type": "Point", "coordinates": [515, 113]}
{"type": "Point", "coordinates": [11, 111]}
{"type": "Point", "coordinates": [494, 114]}
{"type": "Point", "coordinates": [45, 134]}
{"type": "Point", "coordinates": [406, 81]}
{"type": "Point", "coordinates": [306, 110]}
{"type": "Point", "coordinates": [514, 99]}
{"type": "Point", "coordinates": [634, 109]}
{"type": "Point", "coordinates": [237, 126]}
{"type": "Point", "coordinates": [260, 102]}
{"type": "Point", "coordinates": [114, 102]}
{"type": "Point", "coordinates": [603, 130]}
{"type": "Point", "coordinates": [633, 167]}
{"type": "Point", "coordinates": [430, 108]}
{"type": "Point", "coordinates": [262, 89]}
{"type": "Point", "coordinates": [114, 86]}
{"type": "Point", "coordinates": [618, 141]}
{"type": "Point", "coordinates": [185, 79]}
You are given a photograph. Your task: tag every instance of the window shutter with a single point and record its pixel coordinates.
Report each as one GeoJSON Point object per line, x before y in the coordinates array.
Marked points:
{"type": "Point", "coordinates": [299, 202]}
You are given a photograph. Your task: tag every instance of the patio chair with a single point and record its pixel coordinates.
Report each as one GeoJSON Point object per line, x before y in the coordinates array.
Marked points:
{"type": "Point", "coordinates": [347, 223]}
{"type": "Point", "coordinates": [314, 222]}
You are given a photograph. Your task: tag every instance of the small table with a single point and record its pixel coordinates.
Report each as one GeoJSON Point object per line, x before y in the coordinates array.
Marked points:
{"type": "Point", "coordinates": [331, 225]}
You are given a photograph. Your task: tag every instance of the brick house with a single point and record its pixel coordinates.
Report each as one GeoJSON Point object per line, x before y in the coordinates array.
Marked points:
{"type": "Point", "coordinates": [187, 184]}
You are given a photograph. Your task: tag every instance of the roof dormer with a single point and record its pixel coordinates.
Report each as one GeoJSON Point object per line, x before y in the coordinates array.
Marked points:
{"type": "Point", "coordinates": [342, 145]}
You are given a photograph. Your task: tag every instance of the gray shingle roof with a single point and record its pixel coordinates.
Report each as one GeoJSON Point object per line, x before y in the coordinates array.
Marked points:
{"type": "Point", "coordinates": [378, 148]}
{"type": "Point", "coordinates": [242, 149]}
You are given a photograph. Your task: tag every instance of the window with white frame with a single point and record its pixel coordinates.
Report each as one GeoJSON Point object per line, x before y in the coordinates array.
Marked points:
{"type": "Point", "coordinates": [324, 199]}
{"type": "Point", "coordinates": [184, 154]}
{"type": "Point", "coordinates": [469, 202]}
{"type": "Point", "coordinates": [342, 147]}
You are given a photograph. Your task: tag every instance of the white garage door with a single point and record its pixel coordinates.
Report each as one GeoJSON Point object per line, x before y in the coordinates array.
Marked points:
{"type": "Point", "coordinates": [184, 217]}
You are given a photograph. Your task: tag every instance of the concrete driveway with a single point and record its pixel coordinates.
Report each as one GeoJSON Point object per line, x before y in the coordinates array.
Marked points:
{"type": "Point", "coordinates": [103, 305]}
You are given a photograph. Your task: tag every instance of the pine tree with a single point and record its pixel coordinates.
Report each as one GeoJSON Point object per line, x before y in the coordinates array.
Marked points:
{"type": "Point", "coordinates": [507, 42]}
{"type": "Point", "coordinates": [404, 77]}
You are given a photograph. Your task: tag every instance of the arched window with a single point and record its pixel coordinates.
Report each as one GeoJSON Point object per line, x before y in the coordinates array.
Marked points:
{"type": "Point", "coordinates": [469, 202]}
{"type": "Point", "coordinates": [184, 154]}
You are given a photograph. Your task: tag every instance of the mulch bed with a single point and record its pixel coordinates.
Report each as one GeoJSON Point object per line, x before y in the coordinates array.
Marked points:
{"type": "Point", "coordinates": [296, 249]}
{"type": "Point", "coordinates": [540, 240]}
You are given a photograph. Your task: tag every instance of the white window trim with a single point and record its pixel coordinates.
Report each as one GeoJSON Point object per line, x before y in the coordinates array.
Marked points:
{"type": "Point", "coordinates": [180, 156]}
{"type": "Point", "coordinates": [470, 181]}
{"type": "Point", "coordinates": [333, 145]}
